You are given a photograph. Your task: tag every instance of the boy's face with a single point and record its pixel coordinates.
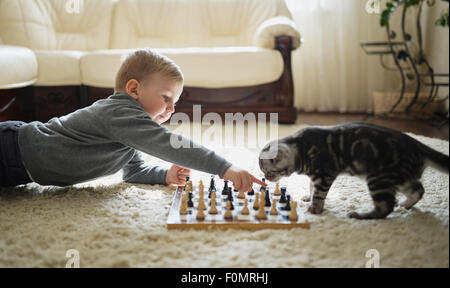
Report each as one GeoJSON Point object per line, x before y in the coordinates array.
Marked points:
{"type": "Point", "coordinates": [157, 95]}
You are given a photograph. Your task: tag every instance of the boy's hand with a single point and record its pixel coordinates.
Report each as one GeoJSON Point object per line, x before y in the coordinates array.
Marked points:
{"type": "Point", "coordinates": [176, 175]}
{"type": "Point", "coordinates": [242, 180]}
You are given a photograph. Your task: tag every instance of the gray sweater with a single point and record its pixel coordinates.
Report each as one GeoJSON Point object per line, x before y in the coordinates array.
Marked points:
{"type": "Point", "coordinates": [103, 138]}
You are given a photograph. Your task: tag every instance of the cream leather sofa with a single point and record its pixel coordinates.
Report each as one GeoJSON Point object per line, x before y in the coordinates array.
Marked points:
{"type": "Point", "coordinates": [57, 45]}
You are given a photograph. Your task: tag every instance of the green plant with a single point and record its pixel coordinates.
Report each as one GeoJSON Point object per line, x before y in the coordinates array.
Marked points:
{"type": "Point", "coordinates": [391, 6]}
{"type": "Point", "coordinates": [443, 20]}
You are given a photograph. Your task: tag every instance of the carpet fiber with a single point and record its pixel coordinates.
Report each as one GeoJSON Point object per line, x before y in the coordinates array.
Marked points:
{"type": "Point", "coordinates": [114, 224]}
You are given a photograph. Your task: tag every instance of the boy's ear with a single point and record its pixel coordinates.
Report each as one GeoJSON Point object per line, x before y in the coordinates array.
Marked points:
{"type": "Point", "coordinates": [132, 88]}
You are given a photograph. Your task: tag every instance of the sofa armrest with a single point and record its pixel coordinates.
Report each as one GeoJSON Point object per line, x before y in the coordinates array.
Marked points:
{"type": "Point", "coordinates": [277, 26]}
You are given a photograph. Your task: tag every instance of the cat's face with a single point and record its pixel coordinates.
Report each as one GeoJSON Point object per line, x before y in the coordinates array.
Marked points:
{"type": "Point", "coordinates": [279, 164]}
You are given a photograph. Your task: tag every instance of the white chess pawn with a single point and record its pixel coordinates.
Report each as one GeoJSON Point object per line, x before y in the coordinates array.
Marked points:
{"type": "Point", "coordinates": [213, 208]}
{"type": "Point", "coordinates": [274, 210]}
{"type": "Point", "coordinates": [241, 195]}
{"type": "Point", "coordinates": [228, 215]}
{"type": "Point", "coordinates": [245, 210]}
{"type": "Point", "coordinates": [256, 203]}
{"type": "Point", "coordinates": [293, 215]}
{"type": "Point", "coordinates": [277, 191]}
{"type": "Point", "coordinates": [183, 206]}
{"type": "Point", "coordinates": [261, 211]}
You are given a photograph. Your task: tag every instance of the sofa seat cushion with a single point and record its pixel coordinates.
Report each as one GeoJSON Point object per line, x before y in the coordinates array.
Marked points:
{"type": "Point", "coordinates": [18, 67]}
{"type": "Point", "coordinates": [218, 67]}
{"type": "Point", "coordinates": [58, 67]}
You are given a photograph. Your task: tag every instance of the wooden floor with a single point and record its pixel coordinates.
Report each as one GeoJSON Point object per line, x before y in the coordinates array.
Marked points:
{"type": "Point", "coordinates": [427, 128]}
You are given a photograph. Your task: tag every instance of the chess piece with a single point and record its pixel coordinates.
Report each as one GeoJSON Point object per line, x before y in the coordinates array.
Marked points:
{"type": "Point", "coordinates": [288, 203]}
{"type": "Point", "coordinates": [212, 186]}
{"type": "Point", "coordinates": [189, 187]}
{"type": "Point", "coordinates": [261, 211]}
{"type": "Point", "coordinates": [201, 187]}
{"type": "Point", "coordinates": [183, 206]}
{"type": "Point", "coordinates": [230, 198]}
{"type": "Point", "coordinates": [283, 195]}
{"type": "Point", "coordinates": [201, 201]}
{"type": "Point", "coordinates": [213, 194]}
{"type": "Point", "coordinates": [213, 208]}
{"type": "Point", "coordinates": [228, 215]}
{"type": "Point", "coordinates": [251, 193]}
{"type": "Point", "coordinates": [225, 188]}
{"type": "Point", "coordinates": [200, 215]}
{"type": "Point", "coordinates": [241, 195]}
{"type": "Point", "coordinates": [256, 203]}
{"type": "Point", "coordinates": [277, 191]}
{"type": "Point", "coordinates": [274, 210]}
{"type": "Point", "coordinates": [293, 215]}
{"type": "Point", "coordinates": [267, 198]}
{"type": "Point", "coordinates": [190, 203]}
{"type": "Point", "coordinates": [262, 188]}
{"type": "Point", "coordinates": [245, 210]}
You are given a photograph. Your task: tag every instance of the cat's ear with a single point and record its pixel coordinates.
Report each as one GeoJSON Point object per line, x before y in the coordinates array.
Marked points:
{"type": "Point", "coordinates": [270, 151]}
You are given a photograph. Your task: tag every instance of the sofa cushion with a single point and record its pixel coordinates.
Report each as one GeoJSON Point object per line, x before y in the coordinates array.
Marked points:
{"type": "Point", "coordinates": [58, 67]}
{"type": "Point", "coordinates": [202, 67]}
{"type": "Point", "coordinates": [56, 24]}
{"type": "Point", "coordinates": [190, 23]}
{"type": "Point", "coordinates": [18, 67]}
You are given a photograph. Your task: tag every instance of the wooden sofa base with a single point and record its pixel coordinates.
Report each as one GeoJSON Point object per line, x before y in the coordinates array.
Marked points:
{"type": "Point", "coordinates": [43, 103]}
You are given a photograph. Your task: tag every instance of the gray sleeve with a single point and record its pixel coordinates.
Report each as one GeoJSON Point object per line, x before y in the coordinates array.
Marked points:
{"type": "Point", "coordinates": [134, 127]}
{"type": "Point", "coordinates": [137, 172]}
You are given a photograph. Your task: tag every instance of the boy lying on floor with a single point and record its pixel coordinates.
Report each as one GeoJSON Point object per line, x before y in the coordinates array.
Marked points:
{"type": "Point", "coordinates": [107, 136]}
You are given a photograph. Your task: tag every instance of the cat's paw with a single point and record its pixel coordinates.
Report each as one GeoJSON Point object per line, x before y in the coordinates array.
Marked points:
{"type": "Point", "coordinates": [306, 198]}
{"type": "Point", "coordinates": [315, 210]}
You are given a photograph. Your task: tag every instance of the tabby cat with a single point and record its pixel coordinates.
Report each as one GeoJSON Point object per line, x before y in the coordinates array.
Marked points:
{"type": "Point", "coordinates": [390, 161]}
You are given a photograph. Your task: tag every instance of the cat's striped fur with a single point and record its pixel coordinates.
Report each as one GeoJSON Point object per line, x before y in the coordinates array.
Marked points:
{"type": "Point", "coordinates": [391, 162]}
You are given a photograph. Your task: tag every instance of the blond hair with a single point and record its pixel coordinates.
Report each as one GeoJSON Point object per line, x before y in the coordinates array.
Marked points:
{"type": "Point", "coordinates": [144, 62]}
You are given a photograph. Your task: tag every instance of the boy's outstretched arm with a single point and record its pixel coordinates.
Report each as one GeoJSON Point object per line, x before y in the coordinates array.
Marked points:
{"type": "Point", "coordinates": [134, 127]}
{"type": "Point", "coordinates": [137, 172]}
{"type": "Point", "coordinates": [242, 180]}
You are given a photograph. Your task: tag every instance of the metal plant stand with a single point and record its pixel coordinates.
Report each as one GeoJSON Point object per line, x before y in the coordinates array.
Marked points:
{"type": "Point", "coordinates": [411, 66]}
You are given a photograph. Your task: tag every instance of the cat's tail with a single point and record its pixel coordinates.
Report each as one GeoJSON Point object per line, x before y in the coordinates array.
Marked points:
{"type": "Point", "coordinates": [436, 159]}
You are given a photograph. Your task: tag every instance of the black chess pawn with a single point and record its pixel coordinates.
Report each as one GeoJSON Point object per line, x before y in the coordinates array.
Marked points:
{"type": "Point", "coordinates": [230, 194]}
{"type": "Point", "coordinates": [262, 188]}
{"type": "Point", "coordinates": [267, 198]}
{"type": "Point", "coordinates": [190, 202]}
{"type": "Point", "coordinates": [212, 186]}
{"type": "Point", "coordinates": [251, 193]}
{"type": "Point", "coordinates": [230, 198]}
{"type": "Point", "coordinates": [225, 188]}
{"type": "Point", "coordinates": [283, 195]}
{"type": "Point", "coordinates": [288, 203]}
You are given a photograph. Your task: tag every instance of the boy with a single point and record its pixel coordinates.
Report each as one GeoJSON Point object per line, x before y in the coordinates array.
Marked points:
{"type": "Point", "coordinates": [107, 136]}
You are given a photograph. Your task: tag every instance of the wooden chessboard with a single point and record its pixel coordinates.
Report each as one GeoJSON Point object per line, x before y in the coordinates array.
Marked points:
{"type": "Point", "coordinates": [248, 222]}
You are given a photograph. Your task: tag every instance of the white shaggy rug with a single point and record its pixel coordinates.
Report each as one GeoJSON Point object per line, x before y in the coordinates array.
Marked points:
{"type": "Point", "coordinates": [113, 224]}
